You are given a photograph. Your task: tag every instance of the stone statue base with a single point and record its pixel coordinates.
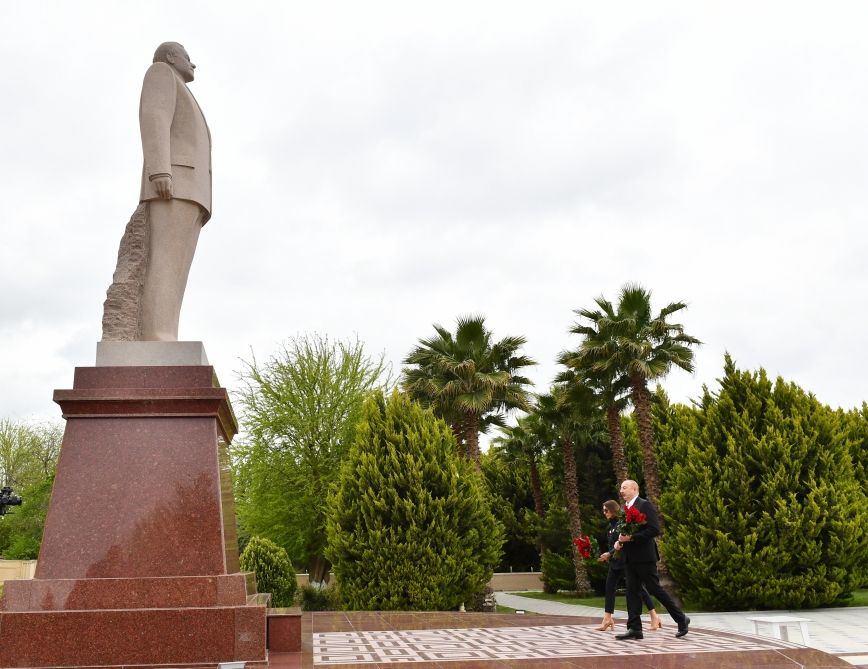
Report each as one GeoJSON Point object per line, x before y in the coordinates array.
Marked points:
{"type": "Point", "coordinates": [150, 354]}
{"type": "Point", "coordinates": [139, 561]}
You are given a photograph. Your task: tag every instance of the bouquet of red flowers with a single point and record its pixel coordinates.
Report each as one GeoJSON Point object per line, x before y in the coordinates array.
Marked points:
{"type": "Point", "coordinates": [584, 544]}
{"type": "Point", "coordinates": [631, 520]}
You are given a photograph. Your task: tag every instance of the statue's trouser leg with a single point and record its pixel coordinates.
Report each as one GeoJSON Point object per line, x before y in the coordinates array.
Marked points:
{"type": "Point", "coordinates": [174, 232]}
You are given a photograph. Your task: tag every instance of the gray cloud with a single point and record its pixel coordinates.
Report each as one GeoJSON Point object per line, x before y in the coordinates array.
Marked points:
{"type": "Point", "coordinates": [384, 166]}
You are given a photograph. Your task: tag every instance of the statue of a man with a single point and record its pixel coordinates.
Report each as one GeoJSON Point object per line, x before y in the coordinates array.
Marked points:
{"type": "Point", "coordinates": [144, 302]}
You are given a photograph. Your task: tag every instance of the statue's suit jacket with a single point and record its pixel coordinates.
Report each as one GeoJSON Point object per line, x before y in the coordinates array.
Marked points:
{"type": "Point", "coordinates": [175, 138]}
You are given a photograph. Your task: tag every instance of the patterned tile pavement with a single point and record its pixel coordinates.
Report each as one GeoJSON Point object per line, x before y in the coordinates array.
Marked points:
{"type": "Point", "coordinates": [515, 643]}
{"type": "Point", "coordinates": [838, 631]}
{"type": "Point", "coordinates": [451, 640]}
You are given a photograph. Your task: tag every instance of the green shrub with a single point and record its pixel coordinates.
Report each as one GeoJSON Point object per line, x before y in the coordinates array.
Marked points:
{"type": "Point", "coordinates": [409, 524]}
{"type": "Point", "coordinates": [274, 572]}
{"type": "Point", "coordinates": [763, 505]}
{"type": "Point", "coordinates": [597, 574]}
{"type": "Point", "coordinates": [558, 572]}
{"type": "Point", "coordinates": [482, 601]}
{"type": "Point", "coordinates": [314, 598]}
{"type": "Point", "coordinates": [23, 548]}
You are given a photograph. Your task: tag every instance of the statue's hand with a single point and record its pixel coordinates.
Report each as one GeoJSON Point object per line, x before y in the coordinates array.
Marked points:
{"type": "Point", "coordinates": [163, 186]}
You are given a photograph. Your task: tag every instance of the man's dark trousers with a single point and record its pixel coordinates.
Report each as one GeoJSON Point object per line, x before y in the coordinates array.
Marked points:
{"type": "Point", "coordinates": [639, 573]}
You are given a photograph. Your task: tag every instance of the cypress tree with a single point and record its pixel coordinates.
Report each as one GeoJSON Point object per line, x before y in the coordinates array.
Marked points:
{"type": "Point", "coordinates": [762, 499]}
{"type": "Point", "coordinates": [409, 525]}
{"type": "Point", "coordinates": [855, 423]}
{"type": "Point", "coordinates": [274, 572]}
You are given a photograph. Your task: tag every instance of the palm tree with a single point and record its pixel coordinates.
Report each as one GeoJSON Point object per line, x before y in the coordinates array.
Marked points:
{"type": "Point", "coordinates": [468, 380]}
{"type": "Point", "coordinates": [632, 343]}
{"type": "Point", "coordinates": [611, 389]}
{"type": "Point", "coordinates": [558, 413]}
{"type": "Point", "coordinates": [521, 444]}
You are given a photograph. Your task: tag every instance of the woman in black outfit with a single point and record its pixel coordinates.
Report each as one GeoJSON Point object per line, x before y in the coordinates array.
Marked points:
{"type": "Point", "coordinates": [616, 572]}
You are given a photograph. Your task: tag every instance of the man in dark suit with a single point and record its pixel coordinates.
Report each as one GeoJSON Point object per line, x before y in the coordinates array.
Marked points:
{"type": "Point", "coordinates": [640, 559]}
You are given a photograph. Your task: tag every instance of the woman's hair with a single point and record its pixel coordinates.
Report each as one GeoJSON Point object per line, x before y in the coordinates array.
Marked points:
{"type": "Point", "coordinates": [612, 505]}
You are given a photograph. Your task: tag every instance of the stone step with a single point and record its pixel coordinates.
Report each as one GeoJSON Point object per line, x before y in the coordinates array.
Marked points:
{"type": "Point", "coordinates": [126, 593]}
{"type": "Point", "coordinates": [124, 637]}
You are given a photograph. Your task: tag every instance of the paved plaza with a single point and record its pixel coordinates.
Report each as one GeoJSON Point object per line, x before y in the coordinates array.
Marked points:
{"type": "Point", "coordinates": [547, 642]}
{"type": "Point", "coordinates": [566, 639]}
{"type": "Point", "coordinates": [842, 631]}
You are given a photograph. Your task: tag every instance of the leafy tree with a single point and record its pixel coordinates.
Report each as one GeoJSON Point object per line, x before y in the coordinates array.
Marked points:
{"type": "Point", "coordinates": [468, 380]}
{"type": "Point", "coordinates": [28, 459]}
{"type": "Point", "coordinates": [630, 341]}
{"type": "Point", "coordinates": [21, 531]}
{"type": "Point", "coordinates": [409, 526]}
{"type": "Point", "coordinates": [28, 453]}
{"type": "Point", "coordinates": [274, 572]}
{"type": "Point", "coordinates": [766, 507]}
{"type": "Point", "coordinates": [298, 415]}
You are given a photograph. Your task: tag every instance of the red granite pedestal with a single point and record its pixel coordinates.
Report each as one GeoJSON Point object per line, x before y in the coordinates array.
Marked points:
{"type": "Point", "coordinates": [284, 630]}
{"type": "Point", "coordinates": [139, 560]}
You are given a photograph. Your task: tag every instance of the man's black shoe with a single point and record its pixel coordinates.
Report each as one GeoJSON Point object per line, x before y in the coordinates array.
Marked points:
{"type": "Point", "coordinates": [630, 634]}
{"type": "Point", "coordinates": [682, 629]}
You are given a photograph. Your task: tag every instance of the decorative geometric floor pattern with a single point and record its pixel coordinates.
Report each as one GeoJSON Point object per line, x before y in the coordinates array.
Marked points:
{"type": "Point", "coordinates": [515, 643]}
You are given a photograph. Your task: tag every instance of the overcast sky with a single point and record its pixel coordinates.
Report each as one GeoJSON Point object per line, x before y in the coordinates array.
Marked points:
{"type": "Point", "coordinates": [382, 166]}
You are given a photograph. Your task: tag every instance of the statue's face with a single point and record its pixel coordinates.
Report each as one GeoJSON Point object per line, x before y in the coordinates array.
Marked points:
{"type": "Point", "coordinates": [180, 60]}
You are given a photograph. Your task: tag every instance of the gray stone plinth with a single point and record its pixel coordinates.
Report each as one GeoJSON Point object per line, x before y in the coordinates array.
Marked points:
{"type": "Point", "coordinates": [150, 353]}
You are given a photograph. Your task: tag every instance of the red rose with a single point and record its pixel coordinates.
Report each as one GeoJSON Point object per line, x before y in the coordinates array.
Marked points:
{"type": "Point", "coordinates": [631, 520]}
{"type": "Point", "coordinates": [583, 544]}
{"type": "Point", "coordinates": [633, 515]}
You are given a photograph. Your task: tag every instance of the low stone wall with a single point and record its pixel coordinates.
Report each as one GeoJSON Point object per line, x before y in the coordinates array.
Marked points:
{"type": "Point", "coordinates": [519, 580]}
{"type": "Point", "coordinates": [13, 570]}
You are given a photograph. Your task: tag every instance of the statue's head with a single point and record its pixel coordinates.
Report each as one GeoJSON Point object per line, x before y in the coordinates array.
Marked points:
{"type": "Point", "coordinates": [176, 56]}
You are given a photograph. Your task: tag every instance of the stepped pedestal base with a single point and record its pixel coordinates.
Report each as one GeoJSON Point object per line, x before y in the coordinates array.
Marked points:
{"type": "Point", "coordinates": [120, 638]}
{"type": "Point", "coordinates": [139, 560]}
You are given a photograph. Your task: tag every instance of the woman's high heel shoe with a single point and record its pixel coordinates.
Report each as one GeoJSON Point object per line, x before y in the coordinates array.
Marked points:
{"type": "Point", "coordinates": [606, 625]}
{"type": "Point", "coordinates": [656, 623]}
